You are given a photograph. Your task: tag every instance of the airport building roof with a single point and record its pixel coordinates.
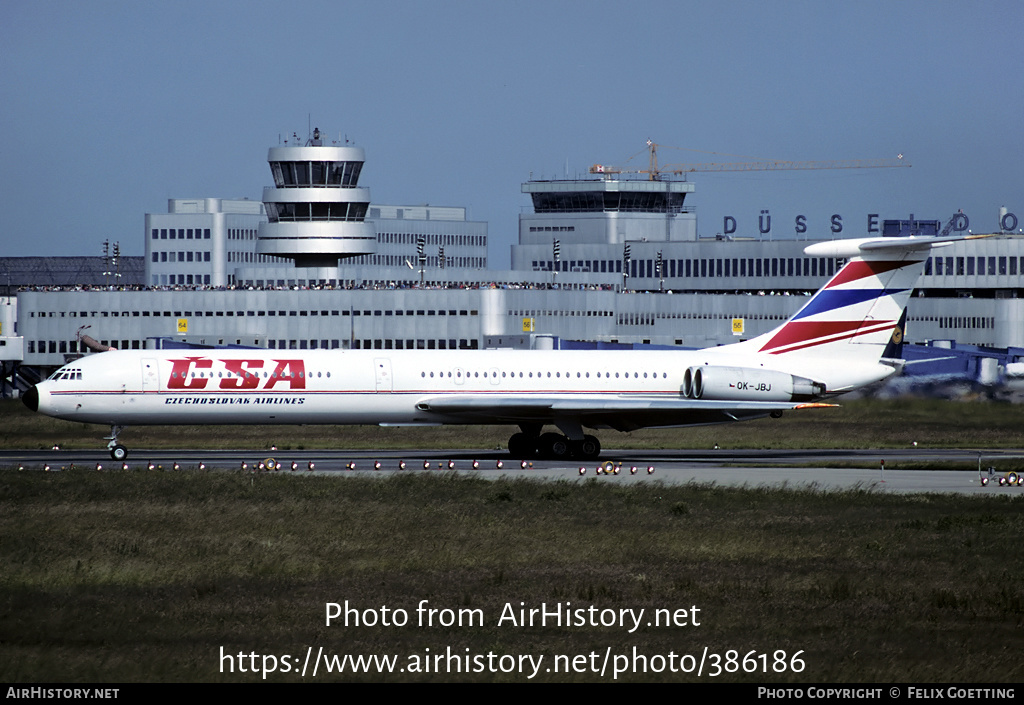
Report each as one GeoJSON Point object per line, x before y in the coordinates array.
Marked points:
{"type": "Point", "coordinates": [20, 272]}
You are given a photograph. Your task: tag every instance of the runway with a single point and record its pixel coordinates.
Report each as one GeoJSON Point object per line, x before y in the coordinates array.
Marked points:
{"type": "Point", "coordinates": [733, 468]}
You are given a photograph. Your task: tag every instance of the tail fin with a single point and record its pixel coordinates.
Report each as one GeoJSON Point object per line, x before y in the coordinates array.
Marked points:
{"type": "Point", "coordinates": [854, 316]}
{"type": "Point", "coordinates": [894, 349]}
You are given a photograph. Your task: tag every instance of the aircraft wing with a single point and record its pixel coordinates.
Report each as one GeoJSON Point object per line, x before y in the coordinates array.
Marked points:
{"type": "Point", "coordinates": [624, 413]}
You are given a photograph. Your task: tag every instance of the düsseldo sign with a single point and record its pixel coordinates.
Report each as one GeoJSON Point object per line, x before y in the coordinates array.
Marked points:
{"type": "Point", "coordinates": [1007, 223]}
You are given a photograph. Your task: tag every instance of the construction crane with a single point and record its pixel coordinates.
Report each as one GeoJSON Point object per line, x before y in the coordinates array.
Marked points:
{"type": "Point", "coordinates": [655, 173]}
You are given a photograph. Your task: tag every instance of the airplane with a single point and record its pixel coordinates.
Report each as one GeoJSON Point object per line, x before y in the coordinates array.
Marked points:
{"type": "Point", "coordinates": [834, 344]}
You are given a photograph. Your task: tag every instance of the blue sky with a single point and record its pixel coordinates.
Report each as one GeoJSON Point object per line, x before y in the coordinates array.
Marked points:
{"type": "Point", "coordinates": [111, 108]}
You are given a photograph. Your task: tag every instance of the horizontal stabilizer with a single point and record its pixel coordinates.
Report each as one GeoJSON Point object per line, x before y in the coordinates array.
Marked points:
{"type": "Point", "coordinates": [863, 246]}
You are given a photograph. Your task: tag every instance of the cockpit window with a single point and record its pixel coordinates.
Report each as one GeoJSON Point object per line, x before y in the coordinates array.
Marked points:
{"type": "Point", "coordinates": [66, 374]}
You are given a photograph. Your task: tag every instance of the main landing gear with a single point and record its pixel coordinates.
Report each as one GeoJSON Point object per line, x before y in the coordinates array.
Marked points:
{"type": "Point", "coordinates": [531, 443]}
{"type": "Point", "coordinates": [117, 451]}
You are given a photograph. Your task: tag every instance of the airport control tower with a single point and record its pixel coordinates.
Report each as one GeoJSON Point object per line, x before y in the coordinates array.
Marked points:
{"type": "Point", "coordinates": [316, 210]}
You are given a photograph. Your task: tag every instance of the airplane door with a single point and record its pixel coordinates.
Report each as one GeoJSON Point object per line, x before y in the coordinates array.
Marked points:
{"type": "Point", "coordinates": [494, 375]}
{"type": "Point", "coordinates": [150, 378]}
{"type": "Point", "coordinates": [459, 378]}
{"type": "Point", "coordinates": [382, 373]}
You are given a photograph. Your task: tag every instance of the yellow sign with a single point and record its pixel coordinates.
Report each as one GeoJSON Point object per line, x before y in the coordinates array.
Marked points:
{"type": "Point", "coordinates": [527, 325]}
{"type": "Point", "coordinates": [183, 325]}
{"type": "Point", "coordinates": [737, 326]}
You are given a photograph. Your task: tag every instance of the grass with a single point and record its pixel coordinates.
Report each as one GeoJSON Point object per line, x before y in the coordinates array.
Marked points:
{"type": "Point", "coordinates": [864, 423]}
{"type": "Point", "coordinates": [143, 576]}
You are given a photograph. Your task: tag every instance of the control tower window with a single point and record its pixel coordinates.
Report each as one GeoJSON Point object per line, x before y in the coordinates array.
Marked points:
{"type": "Point", "coordinates": [319, 174]}
{"type": "Point", "coordinates": [315, 174]}
{"type": "Point", "coordinates": [319, 211]}
{"type": "Point", "coordinates": [344, 173]}
{"type": "Point", "coordinates": [584, 202]}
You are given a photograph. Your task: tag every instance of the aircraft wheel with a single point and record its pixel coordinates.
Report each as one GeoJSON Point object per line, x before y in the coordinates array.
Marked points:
{"type": "Point", "coordinates": [119, 452]}
{"type": "Point", "coordinates": [521, 446]}
{"type": "Point", "coordinates": [587, 449]}
{"type": "Point", "coordinates": [554, 446]}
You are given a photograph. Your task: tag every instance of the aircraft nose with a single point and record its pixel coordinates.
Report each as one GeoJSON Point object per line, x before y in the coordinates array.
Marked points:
{"type": "Point", "coordinates": [31, 398]}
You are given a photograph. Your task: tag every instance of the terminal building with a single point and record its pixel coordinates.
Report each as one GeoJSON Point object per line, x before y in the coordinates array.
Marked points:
{"type": "Point", "coordinates": [610, 261]}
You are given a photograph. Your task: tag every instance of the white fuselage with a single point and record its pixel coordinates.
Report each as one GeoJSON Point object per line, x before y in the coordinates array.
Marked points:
{"type": "Point", "coordinates": [383, 386]}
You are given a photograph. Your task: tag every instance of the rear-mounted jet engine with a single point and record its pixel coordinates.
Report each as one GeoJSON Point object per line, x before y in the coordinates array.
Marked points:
{"type": "Point", "coordinates": [747, 383]}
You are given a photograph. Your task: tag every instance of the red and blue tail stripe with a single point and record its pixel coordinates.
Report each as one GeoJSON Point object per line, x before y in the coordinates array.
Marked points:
{"type": "Point", "coordinates": [862, 303]}
{"type": "Point", "coordinates": [831, 300]}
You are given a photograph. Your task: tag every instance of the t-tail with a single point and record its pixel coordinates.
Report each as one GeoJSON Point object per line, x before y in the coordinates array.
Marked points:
{"type": "Point", "coordinates": [845, 335]}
